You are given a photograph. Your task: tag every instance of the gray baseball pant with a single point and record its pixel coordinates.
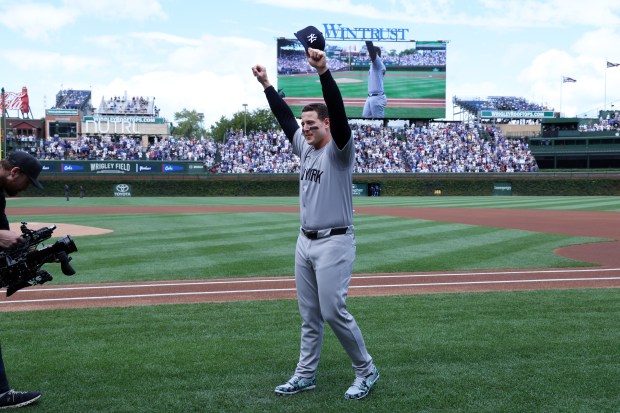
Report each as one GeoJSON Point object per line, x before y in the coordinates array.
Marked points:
{"type": "Point", "coordinates": [322, 274]}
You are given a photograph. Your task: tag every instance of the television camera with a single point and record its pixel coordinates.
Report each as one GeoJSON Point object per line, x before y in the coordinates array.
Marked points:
{"type": "Point", "coordinates": [20, 266]}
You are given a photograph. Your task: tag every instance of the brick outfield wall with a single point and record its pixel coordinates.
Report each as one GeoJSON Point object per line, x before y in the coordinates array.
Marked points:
{"type": "Point", "coordinates": [524, 184]}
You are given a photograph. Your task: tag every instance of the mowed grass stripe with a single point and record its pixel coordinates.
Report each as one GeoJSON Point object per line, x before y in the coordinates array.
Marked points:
{"type": "Point", "coordinates": [514, 202]}
{"type": "Point", "coordinates": [144, 247]}
{"type": "Point", "coordinates": [517, 202]}
{"type": "Point", "coordinates": [486, 352]}
{"type": "Point", "coordinates": [196, 246]}
{"type": "Point", "coordinates": [455, 246]}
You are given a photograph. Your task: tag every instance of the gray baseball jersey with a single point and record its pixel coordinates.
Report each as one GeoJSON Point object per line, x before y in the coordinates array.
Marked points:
{"type": "Point", "coordinates": [375, 76]}
{"type": "Point", "coordinates": [325, 182]}
{"type": "Point", "coordinates": [376, 101]}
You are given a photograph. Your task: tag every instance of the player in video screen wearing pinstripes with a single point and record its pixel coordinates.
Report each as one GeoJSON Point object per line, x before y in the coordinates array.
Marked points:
{"type": "Point", "coordinates": [325, 249]}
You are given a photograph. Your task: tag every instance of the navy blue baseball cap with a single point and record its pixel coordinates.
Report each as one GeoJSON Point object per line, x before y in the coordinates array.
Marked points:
{"type": "Point", "coordinates": [311, 37]}
{"type": "Point", "coordinates": [28, 164]}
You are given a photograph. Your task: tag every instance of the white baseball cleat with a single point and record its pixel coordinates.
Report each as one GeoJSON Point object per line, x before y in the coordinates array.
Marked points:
{"type": "Point", "coordinates": [361, 385]}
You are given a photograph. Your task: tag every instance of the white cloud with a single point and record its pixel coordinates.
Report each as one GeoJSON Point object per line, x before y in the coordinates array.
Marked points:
{"type": "Point", "coordinates": [498, 14]}
{"type": "Point", "coordinates": [159, 38]}
{"type": "Point", "coordinates": [135, 10]}
{"type": "Point", "coordinates": [213, 77]}
{"type": "Point", "coordinates": [600, 42]}
{"type": "Point", "coordinates": [40, 61]}
{"type": "Point", "coordinates": [585, 62]}
{"type": "Point", "coordinates": [36, 21]}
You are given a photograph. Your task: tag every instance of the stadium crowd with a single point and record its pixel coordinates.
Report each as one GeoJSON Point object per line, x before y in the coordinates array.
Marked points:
{"type": "Point", "coordinates": [72, 99]}
{"type": "Point", "coordinates": [124, 105]}
{"type": "Point", "coordinates": [437, 147]}
{"type": "Point", "coordinates": [498, 103]}
{"type": "Point", "coordinates": [297, 63]}
{"type": "Point", "coordinates": [607, 121]}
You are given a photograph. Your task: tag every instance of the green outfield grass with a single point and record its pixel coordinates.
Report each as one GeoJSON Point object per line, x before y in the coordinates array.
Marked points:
{"type": "Point", "coordinates": [397, 85]}
{"type": "Point", "coordinates": [538, 351]}
{"type": "Point", "coordinates": [354, 84]}
{"type": "Point", "coordinates": [576, 203]}
{"type": "Point", "coordinates": [197, 246]}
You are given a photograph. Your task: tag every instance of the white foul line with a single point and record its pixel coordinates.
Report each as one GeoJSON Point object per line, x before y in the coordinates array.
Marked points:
{"type": "Point", "coordinates": [133, 296]}
{"type": "Point", "coordinates": [287, 279]}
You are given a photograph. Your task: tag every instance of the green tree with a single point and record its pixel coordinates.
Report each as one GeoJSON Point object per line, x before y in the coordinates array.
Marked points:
{"type": "Point", "coordinates": [258, 120]}
{"type": "Point", "coordinates": [263, 119]}
{"type": "Point", "coordinates": [189, 124]}
{"type": "Point", "coordinates": [219, 129]}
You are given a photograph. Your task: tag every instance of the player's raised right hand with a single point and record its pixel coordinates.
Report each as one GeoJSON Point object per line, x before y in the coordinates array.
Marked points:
{"type": "Point", "coordinates": [317, 59]}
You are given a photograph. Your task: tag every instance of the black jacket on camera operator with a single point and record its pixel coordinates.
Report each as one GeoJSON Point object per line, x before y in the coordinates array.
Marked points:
{"type": "Point", "coordinates": [18, 171]}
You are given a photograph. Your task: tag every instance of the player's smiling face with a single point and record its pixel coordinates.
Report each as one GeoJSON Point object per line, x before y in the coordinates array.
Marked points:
{"type": "Point", "coordinates": [316, 131]}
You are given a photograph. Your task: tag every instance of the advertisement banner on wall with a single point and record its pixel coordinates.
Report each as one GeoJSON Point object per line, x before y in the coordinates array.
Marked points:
{"type": "Point", "coordinates": [121, 190]}
{"type": "Point", "coordinates": [502, 188]}
{"type": "Point", "coordinates": [124, 167]}
{"type": "Point", "coordinates": [359, 189]}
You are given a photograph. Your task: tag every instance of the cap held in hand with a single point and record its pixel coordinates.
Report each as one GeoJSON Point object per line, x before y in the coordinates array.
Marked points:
{"type": "Point", "coordinates": [28, 164]}
{"type": "Point", "coordinates": [311, 37]}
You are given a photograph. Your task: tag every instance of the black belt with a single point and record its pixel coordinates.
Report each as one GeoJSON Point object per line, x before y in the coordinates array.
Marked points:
{"type": "Point", "coordinates": [315, 234]}
{"type": "Point", "coordinates": [375, 94]}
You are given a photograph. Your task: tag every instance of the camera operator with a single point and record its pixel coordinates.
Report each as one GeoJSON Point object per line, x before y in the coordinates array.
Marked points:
{"type": "Point", "coordinates": [16, 173]}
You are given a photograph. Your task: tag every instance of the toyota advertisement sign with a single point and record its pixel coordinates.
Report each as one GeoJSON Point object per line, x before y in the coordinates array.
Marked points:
{"type": "Point", "coordinates": [121, 190]}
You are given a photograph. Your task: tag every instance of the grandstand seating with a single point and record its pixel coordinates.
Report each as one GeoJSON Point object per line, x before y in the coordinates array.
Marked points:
{"type": "Point", "coordinates": [123, 105]}
{"type": "Point", "coordinates": [73, 99]}
{"type": "Point", "coordinates": [474, 105]}
{"type": "Point", "coordinates": [437, 147]}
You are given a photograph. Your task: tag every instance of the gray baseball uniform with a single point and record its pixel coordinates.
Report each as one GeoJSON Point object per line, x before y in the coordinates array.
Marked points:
{"type": "Point", "coordinates": [376, 101]}
{"type": "Point", "coordinates": [325, 249]}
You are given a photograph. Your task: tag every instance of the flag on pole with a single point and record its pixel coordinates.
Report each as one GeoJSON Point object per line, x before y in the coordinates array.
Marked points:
{"type": "Point", "coordinates": [609, 64]}
{"type": "Point", "coordinates": [568, 80]}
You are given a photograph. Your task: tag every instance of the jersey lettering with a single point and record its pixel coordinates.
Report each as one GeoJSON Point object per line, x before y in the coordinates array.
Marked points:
{"type": "Point", "coordinates": [312, 175]}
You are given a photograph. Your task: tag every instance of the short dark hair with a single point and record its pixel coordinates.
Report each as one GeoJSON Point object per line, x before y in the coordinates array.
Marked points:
{"type": "Point", "coordinates": [319, 108]}
{"type": "Point", "coordinates": [378, 50]}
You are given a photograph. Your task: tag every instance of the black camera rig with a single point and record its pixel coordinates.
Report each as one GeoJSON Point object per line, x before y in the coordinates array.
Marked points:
{"type": "Point", "coordinates": [20, 266]}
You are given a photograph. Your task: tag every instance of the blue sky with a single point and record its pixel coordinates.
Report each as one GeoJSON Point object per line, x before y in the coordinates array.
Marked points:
{"type": "Point", "coordinates": [198, 55]}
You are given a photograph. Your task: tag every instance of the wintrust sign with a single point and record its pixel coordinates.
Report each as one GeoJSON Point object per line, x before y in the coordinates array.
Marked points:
{"type": "Point", "coordinates": [339, 32]}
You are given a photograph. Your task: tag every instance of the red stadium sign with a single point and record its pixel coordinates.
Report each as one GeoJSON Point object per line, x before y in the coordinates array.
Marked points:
{"type": "Point", "coordinates": [16, 101]}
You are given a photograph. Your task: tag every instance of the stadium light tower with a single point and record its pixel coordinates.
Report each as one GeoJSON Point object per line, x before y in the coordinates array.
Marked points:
{"type": "Point", "coordinates": [245, 112]}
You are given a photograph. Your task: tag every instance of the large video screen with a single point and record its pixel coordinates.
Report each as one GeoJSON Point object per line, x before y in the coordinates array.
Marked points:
{"type": "Point", "coordinates": [414, 82]}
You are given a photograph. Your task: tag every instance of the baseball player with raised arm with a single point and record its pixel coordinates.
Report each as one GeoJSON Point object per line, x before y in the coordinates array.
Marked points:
{"type": "Point", "coordinates": [376, 100]}
{"type": "Point", "coordinates": [325, 248]}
